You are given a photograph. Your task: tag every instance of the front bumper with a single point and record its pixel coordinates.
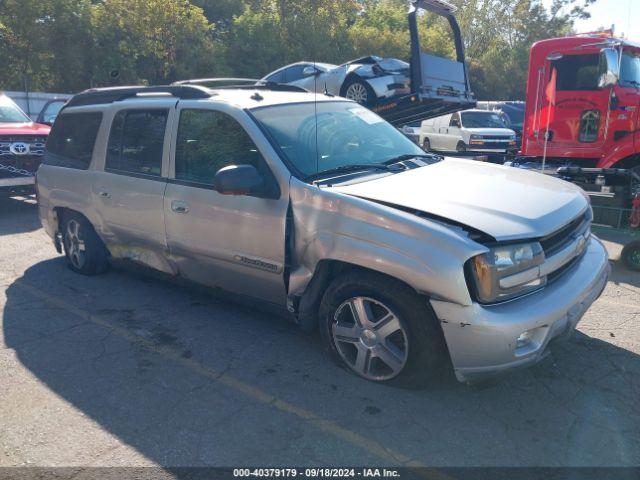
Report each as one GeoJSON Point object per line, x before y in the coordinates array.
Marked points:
{"type": "Point", "coordinates": [482, 339]}
{"type": "Point", "coordinates": [16, 181]}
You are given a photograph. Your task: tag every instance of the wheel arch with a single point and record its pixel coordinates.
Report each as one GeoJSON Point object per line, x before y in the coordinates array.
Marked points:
{"type": "Point", "coordinates": [352, 76]}
{"type": "Point", "coordinates": [325, 272]}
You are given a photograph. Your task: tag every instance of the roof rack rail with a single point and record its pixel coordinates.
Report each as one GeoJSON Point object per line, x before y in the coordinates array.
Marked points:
{"type": "Point", "coordinates": [249, 84]}
{"type": "Point", "coordinates": [201, 81]}
{"type": "Point", "coordinates": [98, 96]}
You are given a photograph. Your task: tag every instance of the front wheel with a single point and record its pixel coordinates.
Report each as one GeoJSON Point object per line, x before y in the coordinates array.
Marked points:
{"type": "Point", "coordinates": [426, 145]}
{"type": "Point", "coordinates": [85, 252]}
{"type": "Point", "coordinates": [361, 92]}
{"type": "Point", "coordinates": [631, 255]}
{"type": "Point", "coordinates": [382, 331]}
{"type": "Point", "coordinates": [461, 147]}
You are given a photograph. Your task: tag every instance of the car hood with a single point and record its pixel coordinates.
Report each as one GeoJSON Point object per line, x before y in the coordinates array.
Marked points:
{"type": "Point", "coordinates": [491, 131]}
{"type": "Point", "coordinates": [504, 202]}
{"type": "Point", "coordinates": [24, 129]}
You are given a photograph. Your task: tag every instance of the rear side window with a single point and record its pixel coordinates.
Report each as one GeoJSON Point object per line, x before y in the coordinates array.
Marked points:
{"type": "Point", "coordinates": [208, 141]}
{"type": "Point", "coordinates": [136, 142]}
{"type": "Point", "coordinates": [72, 138]}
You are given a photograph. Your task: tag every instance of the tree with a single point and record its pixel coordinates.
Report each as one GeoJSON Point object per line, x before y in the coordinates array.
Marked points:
{"type": "Point", "coordinates": [152, 42]}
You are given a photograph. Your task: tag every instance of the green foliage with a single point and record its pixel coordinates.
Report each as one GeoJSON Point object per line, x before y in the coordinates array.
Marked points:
{"type": "Point", "coordinates": [69, 45]}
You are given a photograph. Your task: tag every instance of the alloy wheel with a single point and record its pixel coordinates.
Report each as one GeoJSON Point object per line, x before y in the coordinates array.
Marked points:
{"type": "Point", "coordinates": [358, 93]}
{"type": "Point", "coordinates": [370, 338]}
{"type": "Point", "coordinates": [74, 244]}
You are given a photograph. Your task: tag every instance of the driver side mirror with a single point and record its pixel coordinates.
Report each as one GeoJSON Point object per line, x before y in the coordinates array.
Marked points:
{"type": "Point", "coordinates": [237, 180]}
{"type": "Point", "coordinates": [609, 62]}
{"type": "Point", "coordinates": [310, 71]}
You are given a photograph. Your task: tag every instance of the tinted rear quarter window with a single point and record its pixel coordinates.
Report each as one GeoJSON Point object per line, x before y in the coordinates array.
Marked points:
{"type": "Point", "coordinates": [72, 139]}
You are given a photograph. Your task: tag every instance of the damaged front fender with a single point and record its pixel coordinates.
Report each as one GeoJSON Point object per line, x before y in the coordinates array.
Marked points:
{"type": "Point", "coordinates": [331, 226]}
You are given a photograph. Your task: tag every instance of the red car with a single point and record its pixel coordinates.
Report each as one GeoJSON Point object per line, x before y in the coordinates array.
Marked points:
{"type": "Point", "coordinates": [22, 145]}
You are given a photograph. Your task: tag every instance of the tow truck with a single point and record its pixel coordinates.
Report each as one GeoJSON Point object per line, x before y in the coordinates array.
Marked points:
{"type": "Point", "coordinates": [437, 85]}
{"type": "Point", "coordinates": [583, 94]}
{"type": "Point", "coordinates": [582, 123]}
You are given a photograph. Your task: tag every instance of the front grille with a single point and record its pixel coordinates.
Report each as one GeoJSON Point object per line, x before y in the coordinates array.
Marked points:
{"type": "Point", "coordinates": [554, 244]}
{"type": "Point", "coordinates": [22, 162]}
{"type": "Point", "coordinates": [490, 146]}
{"type": "Point", "coordinates": [496, 137]}
{"type": "Point", "coordinates": [561, 238]}
{"type": "Point", "coordinates": [36, 145]}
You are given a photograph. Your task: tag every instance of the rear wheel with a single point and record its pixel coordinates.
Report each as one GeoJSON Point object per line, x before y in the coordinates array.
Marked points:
{"type": "Point", "coordinates": [361, 92]}
{"type": "Point", "coordinates": [85, 252]}
{"type": "Point", "coordinates": [426, 145]}
{"type": "Point", "coordinates": [382, 331]}
{"type": "Point", "coordinates": [631, 255]}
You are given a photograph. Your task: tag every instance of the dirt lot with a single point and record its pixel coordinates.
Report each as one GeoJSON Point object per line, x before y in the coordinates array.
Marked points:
{"type": "Point", "coordinates": [124, 369]}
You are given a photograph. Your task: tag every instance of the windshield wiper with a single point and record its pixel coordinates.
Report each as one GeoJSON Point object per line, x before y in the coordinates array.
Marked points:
{"type": "Point", "coordinates": [409, 156]}
{"type": "Point", "coordinates": [354, 168]}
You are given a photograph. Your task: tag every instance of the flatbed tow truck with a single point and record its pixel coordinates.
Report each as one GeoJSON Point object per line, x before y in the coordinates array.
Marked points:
{"type": "Point", "coordinates": [437, 85]}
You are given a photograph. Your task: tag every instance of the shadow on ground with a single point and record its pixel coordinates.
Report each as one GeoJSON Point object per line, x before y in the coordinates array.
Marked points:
{"type": "Point", "coordinates": [147, 367]}
{"type": "Point", "coordinates": [14, 220]}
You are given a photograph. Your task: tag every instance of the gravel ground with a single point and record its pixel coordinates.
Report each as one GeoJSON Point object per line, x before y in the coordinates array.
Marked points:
{"type": "Point", "coordinates": [125, 369]}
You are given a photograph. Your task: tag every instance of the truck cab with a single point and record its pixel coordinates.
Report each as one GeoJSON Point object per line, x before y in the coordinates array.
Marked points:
{"type": "Point", "coordinates": [583, 94]}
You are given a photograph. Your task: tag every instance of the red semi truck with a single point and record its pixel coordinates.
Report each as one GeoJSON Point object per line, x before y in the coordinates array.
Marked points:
{"type": "Point", "coordinates": [583, 96]}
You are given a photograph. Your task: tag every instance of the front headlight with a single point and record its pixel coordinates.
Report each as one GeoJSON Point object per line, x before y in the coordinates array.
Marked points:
{"type": "Point", "coordinates": [508, 271]}
{"type": "Point", "coordinates": [476, 137]}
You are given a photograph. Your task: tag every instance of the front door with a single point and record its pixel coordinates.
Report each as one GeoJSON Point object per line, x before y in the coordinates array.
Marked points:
{"type": "Point", "coordinates": [233, 242]}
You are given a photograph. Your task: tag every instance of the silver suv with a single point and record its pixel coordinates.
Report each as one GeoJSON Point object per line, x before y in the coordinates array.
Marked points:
{"type": "Point", "coordinates": [407, 263]}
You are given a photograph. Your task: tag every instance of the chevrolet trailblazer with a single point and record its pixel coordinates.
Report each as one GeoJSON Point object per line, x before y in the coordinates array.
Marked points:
{"type": "Point", "coordinates": [405, 261]}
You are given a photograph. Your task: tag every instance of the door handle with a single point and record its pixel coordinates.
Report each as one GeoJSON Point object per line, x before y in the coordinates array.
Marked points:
{"type": "Point", "coordinates": [104, 194]}
{"type": "Point", "coordinates": [180, 207]}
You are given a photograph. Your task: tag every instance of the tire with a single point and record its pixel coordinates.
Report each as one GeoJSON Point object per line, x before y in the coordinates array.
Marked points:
{"type": "Point", "coordinates": [461, 147]}
{"type": "Point", "coordinates": [631, 255]}
{"type": "Point", "coordinates": [426, 145]}
{"type": "Point", "coordinates": [405, 350]}
{"type": "Point", "coordinates": [359, 91]}
{"type": "Point", "coordinates": [85, 252]}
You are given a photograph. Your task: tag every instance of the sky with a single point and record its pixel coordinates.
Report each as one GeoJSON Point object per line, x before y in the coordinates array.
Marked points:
{"type": "Point", "coordinates": [624, 14]}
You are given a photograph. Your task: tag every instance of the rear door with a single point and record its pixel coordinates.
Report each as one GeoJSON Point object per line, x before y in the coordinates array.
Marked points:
{"type": "Point", "coordinates": [129, 190]}
{"type": "Point", "coordinates": [439, 133]}
{"type": "Point", "coordinates": [233, 242]}
{"type": "Point", "coordinates": [454, 134]}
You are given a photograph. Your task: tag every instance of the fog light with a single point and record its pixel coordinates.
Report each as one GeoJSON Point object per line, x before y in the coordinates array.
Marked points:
{"type": "Point", "coordinates": [524, 339]}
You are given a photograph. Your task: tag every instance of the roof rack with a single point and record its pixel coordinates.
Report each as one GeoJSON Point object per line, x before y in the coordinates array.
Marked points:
{"type": "Point", "coordinates": [201, 81]}
{"type": "Point", "coordinates": [98, 96]}
{"type": "Point", "coordinates": [248, 84]}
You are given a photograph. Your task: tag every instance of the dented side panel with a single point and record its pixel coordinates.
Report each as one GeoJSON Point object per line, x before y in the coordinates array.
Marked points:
{"type": "Point", "coordinates": [333, 226]}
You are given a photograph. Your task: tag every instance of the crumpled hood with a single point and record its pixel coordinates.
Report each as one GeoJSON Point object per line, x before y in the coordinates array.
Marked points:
{"type": "Point", "coordinates": [504, 202]}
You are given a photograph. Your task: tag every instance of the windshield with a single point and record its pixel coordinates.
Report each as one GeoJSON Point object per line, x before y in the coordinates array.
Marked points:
{"type": "Point", "coordinates": [630, 69]}
{"type": "Point", "coordinates": [326, 135]}
{"type": "Point", "coordinates": [10, 113]}
{"type": "Point", "coordinates": [483, 120]}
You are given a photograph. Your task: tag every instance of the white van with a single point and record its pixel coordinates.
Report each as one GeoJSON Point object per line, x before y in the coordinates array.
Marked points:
{"type": "Point", "coordinates": [468, 131]}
